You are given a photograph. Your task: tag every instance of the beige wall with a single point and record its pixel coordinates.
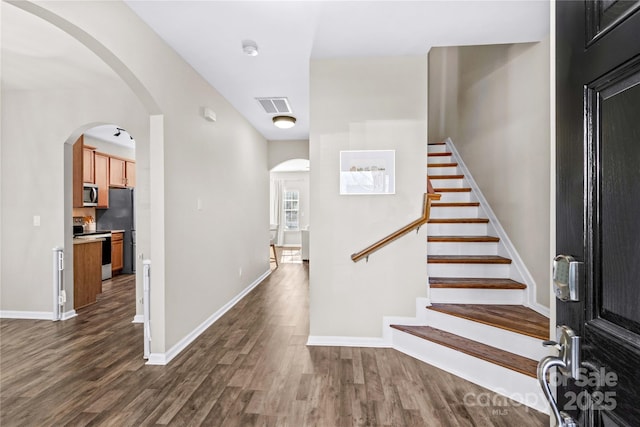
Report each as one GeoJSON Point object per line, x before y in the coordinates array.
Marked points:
{"type": "Point", "coordinates": [280, 151]}
{"type": "Point", "coordinates": [499, 97]}
{"type": "Point", "coordinates": [365, 104]}
{"type": "Point", "coordinates": [219, 166]}
{"type": "Point", "coordinates": [443, 93]}
{"type": "Point", "coordinates": [36, 180]}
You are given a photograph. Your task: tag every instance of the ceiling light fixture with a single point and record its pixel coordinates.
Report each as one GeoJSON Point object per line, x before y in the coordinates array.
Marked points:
{"type": "Point", "coordinates": [249, 47]}
{"type": "Point", "coordinates": [119, 131]}
{"type": "Point", "coordinates": [284, 122]}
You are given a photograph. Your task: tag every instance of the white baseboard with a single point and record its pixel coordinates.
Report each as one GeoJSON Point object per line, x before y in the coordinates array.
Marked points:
{"type": "Point", "coordinates": [541, 309]}
{"type": "Point", "coordinates": [165, 358]}
{"type": "Point", "coordinates": [157, 359]}
{"type": "Point", "coordinates": [32, 315]}
{"type": "Point", "coordinates": [69, 314]}
{"type": "Point", "coordinates": [331, 341]}
{"type": "Point", "coordinates": [138, 318]}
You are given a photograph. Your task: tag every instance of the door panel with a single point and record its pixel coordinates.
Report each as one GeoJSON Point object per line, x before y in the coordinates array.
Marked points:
{"type": "Point", "coordinates": [598, 203]}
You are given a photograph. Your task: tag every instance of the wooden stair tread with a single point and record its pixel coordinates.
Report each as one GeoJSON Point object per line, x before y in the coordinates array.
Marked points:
{"type": "Point", "coordinates": [453, 190]}
{"type": "Point", "coordinates": [436, 143]}
{"type": "Point", "coordinates": [473, 283]}
{"type": "Point", "coordinates": [441, 165]}
{"type": "Point", "coordinates": [446, 176]}
{"type": "Point", "coordinates": [454, 204]}
{"type": "Point", "coordinates": [440, 154]}
{"type": "Point", "coordinates": [458, 220]}
{"type": "Point", "coordinates": [463, 239]}
{"type": "Point", "coordinates": [467, 259]}
{"type": "Point", "coordinates": [514, 318]}
{"type": "Point", "coordinates": [485, 352]}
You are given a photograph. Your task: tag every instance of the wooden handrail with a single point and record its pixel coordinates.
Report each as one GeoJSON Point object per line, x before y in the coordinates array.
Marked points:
{"type": "Point", "coordinates": [428, 197]}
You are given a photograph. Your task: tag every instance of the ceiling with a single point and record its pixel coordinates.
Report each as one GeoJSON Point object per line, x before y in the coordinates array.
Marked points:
{"type": "Point", "coordinates": [208, 35]}
{"type": "Point", "coordinates": [112, 134]}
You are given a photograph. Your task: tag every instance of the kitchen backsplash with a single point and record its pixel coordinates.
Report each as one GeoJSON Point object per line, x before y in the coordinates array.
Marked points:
{"type": "Point", "coordinates": [84, 212]}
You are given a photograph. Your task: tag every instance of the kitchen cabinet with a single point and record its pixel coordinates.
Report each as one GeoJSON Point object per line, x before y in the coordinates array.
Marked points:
{"type": "Point", "coordinates": [101, 171]}
{"type": "Point", "coordinates": [117, 172]}
{"type": "Point", "coordinates": [87, 272]}
{"type": "Point", "coordinates": [88, 174]}
{"type": "Point", "coordinates": [117, 252]}
{"type": "Point", "coordinates": [122, 173]}
{"type": "Point", "coordinates": [77, 172]}
{"type": "Point", "coordinates": [130, 169]}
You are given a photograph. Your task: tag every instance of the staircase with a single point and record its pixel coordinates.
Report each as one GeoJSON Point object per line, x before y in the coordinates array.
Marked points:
{"type": "Point", "coordinates": [476, 324]}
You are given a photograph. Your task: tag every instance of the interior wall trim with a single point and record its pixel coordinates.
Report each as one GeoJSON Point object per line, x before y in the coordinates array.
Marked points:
{"type": "Point", "coordinates": [337, 341]}
{"type": "Point", "coordinates": [32, 315]}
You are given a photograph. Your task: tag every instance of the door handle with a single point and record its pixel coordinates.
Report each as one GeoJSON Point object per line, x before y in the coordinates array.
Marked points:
{"type": "Point", "coordinates": [563, 419]}
{"type": "Point", "coordinates": [567, 362]}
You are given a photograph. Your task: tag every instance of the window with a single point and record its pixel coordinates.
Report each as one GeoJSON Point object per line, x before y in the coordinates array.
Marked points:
{"type": "Point", "coordinates": [291, 208]}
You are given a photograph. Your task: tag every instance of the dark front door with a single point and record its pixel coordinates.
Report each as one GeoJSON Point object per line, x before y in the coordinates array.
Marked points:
{"type": "Point", "coordinates": [598, 203]}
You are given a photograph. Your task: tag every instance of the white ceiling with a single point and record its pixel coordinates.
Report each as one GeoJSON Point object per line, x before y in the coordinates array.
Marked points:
{"type": "Point", "coordinates": [208, 35]}
{"type": "Point", "coordinates": [108, 133]}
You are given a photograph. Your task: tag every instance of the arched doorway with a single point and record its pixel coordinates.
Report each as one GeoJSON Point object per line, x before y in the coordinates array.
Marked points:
{"type": "Point", "coordinates": [71, 111]}
{"type": "Point", "coordinates": [289, 210]}
{"type": "Point", "coordinates": [104, 206]}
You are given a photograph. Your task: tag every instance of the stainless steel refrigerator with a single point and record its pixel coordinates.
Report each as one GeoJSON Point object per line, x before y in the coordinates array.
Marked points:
{"type": "Point", "coordinates": [121, 216]}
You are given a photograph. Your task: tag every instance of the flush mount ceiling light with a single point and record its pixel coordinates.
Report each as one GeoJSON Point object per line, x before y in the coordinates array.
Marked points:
{"type": "Point", "coordinates": [284, 122]}
{"type": "Point", "coordinates": [249, 47]}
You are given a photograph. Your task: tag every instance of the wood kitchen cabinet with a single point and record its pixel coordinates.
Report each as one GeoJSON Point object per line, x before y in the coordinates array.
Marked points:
{"type": "Point", "coordinates": [101, 171]}
{"type": "Point", "coordinates": [117, 172]}
{"type": "Point", "coordinates": [130, 169]}
{"type": "Point", "coordinates": [78, 172]}
{"type": "Point", "coordinates": [88, 165]}
{"type": "Point", "coordinates": [117, 252]}
{"type": "Point", "coordinates": [87, 272]}
{"type": "Point", "coordinates": [122, 173]}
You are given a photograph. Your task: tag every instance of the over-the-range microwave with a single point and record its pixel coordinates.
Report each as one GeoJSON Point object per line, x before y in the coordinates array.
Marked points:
{"type": "Point", "coordinates": [89, 195]}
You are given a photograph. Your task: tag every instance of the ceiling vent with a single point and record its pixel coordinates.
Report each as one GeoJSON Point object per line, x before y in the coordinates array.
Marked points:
{"type": "Point", "coordinates": [275, 105]}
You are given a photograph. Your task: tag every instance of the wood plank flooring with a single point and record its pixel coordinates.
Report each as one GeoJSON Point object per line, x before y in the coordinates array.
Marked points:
{"type": "Point", "coordinates": [251, 368]}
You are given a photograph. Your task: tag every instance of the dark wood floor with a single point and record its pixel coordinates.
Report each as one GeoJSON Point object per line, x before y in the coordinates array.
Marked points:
{"type": "Point", "coordinates": [252, 368]}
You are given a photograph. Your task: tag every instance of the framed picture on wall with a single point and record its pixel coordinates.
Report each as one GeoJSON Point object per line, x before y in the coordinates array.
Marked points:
{"type": "Point", "coordinates": [367, 172]}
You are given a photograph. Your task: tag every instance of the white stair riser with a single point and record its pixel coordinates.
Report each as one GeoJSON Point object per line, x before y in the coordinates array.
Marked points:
{"type": "Point", "coordinates": [499, 271]}
{"type": "Point", "coordinates": [437, 148]}
{"type": "Point", "coordinates": [477, 296]}
{"type": "Point", "coordinates": [448, 170]}
{"type": "Point", "coordinates": [464, 229]}
{"type": "Point", "coordinates": [447, 183]}
{"type": "Point", "coordinates": [455, 197]}
{"type": "Point", "coordinates": [440, 159]}
{"type": "Point", "coordinates": [456, 248]}
{"type": "Point", "coordinates": [504, 381]}
{"type": "Point", "coordinates": [454, 212]}
{"type": "Point", "coordinates": [512, 342]}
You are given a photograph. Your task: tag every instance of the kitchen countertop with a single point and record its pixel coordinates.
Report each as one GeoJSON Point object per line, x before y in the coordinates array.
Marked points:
{"type": "Point", "coordinates": [117, 231]}
{"type": "Point", "coordinates": [83, 241]}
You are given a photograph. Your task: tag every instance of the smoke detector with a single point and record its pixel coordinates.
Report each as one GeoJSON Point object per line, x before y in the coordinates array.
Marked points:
{"type": "Point", "coordinates": [249, 47]}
